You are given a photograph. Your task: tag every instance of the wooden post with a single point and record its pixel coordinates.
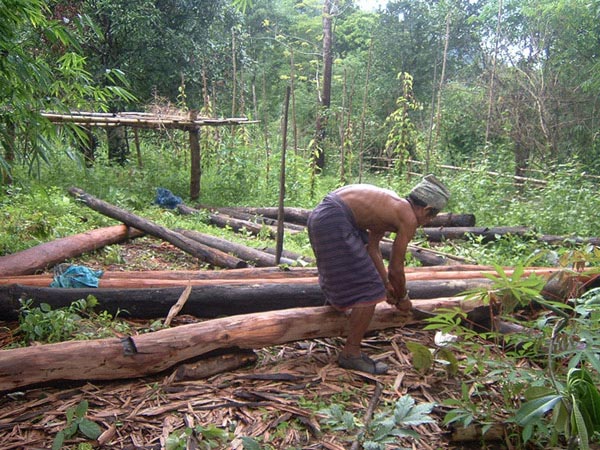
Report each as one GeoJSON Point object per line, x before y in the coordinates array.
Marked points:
{"type": "Point", "coordinates": [280, 212]}
{"type": "Point", "coordinates": [195, 158]}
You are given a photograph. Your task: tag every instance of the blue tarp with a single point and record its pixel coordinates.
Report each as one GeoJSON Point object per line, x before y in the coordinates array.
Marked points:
{"type": "Point", "coordinates": [166, 198]}
{"type": "Point", "coordinates": [66, 276]}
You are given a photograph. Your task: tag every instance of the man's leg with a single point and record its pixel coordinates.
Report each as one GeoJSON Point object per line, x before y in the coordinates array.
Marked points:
{"type": "Point", "coordinates": [360, 318]}
{"type": "Point", "coordinates": [351, 357]}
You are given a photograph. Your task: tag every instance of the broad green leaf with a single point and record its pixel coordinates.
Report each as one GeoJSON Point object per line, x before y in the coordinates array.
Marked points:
{"type": "Point", "coordinates": [422, 358]}
{"type": "Point", "coordinates": [59, 439]}
{"type": "Point", "coordinates": [90, 429]}
{"type": "Point", "coordinates": [534, 392]}
{"type": "Point", "coordinates": [579, 425]}
{"type": "Point", "coordinates": [81, 409]}
{"type": "Point", "coordinates": [250, 443]}
{"type": "Point", "coordinates": [534, 409]}
{"type": "Point", "coordinates": [447, 355]}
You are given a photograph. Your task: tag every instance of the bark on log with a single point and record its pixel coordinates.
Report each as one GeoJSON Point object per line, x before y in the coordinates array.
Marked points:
{"type": "Point", "coordinates": [250, 255]}
{"type": "Point", "coordinates": [246, 273]}
{"type": "Point", "coordinates": [205, 301]}
{"type": "Point", "coordinates": [225, 221]}
{"type": "Point", "coordinates": [293, 215]}
{"type": "Point", "coordinates": [152, 353]}
{"type": "Point", "coordinates": [290, 255]}
{"type": "Point", "coordinates": [237, 213]}
{"type": "Point", "coordinates": [44, 256]}
{"type": "Point", "coordinates": [453, 220]}
{"type": "Point", "coordinates": [134, 280]}
{"type": "Point", "coordinates": [570, 240]}
{"type": "Point", "coordinates": [300, 216]}
{"type": "Point", "coordinates": [488, 234]}
{"type": "Point", "coordinates": [211, 256]}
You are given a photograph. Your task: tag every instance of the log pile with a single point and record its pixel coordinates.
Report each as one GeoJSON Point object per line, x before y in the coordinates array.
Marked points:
{"type": "Point", "coordinates": [246, 307]}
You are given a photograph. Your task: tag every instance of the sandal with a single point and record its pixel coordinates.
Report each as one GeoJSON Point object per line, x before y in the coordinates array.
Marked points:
{"type": "Point", "coordinates": [362, 363]}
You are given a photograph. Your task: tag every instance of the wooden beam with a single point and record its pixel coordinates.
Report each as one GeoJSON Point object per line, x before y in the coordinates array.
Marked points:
{"type": "Point", "coordinates": [151, 353]}
{"type": "Point", "coordinates": [46, 255]}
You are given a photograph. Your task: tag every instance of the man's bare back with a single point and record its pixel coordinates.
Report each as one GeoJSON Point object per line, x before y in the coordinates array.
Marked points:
{"type": "Point", "coordinates": [378, 209]}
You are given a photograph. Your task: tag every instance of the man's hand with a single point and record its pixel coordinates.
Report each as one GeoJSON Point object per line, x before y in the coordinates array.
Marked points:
{"type": "Point", "coordinates": [391, 294]}
{"type": "Point", "coordinates": [405, 304]}
{"type": "Point", "coordinates": [402, 304]}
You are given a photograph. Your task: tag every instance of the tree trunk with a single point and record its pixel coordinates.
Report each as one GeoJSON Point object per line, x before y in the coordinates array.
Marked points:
{"type": "Point", "coordinates": [248, 254]}
{"type": "Point", "coordinates": [240, 213]}
{"type": "Point", "coordinates": [118, 145]}
{"type": "Point", "coordinates": [160, 279]}
{"type": "Point", "coordinates": [224, 221]}
{"type": "Point", "coordinates": [151, 353]}
{"type": "Point", "coordinates": [489, 234]}
{"type": "Point", "coordinates": [205, 301]}
{"type": "Point", "coordinates": [46, 255]}
{"type": "Point", "coordinates": [210, 255]}
{"type": "Point", "coordinates": [319, 156]}
{"type": "Point", "coordinates": [195, 158]}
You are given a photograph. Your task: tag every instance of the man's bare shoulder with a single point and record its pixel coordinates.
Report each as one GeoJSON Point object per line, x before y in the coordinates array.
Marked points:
{"type": "Point", "coordinates": [376, 208]}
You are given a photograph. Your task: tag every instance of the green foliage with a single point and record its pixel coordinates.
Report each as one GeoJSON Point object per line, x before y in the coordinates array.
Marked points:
{"type": "Point", "coordinates": [401, 141]}
{"type": "Point", "coordinates": [508, 291]}
{"type": "Point", "coordinates": [201, 437]}
{"type": "Point", "coordinates": [77, 422]}
{"type": "Point", "coordinates": [78, 321]}
{"type": "Point", "coordinates": [562, 402]}
{"type": "Point", "coordinates": [386, 427]}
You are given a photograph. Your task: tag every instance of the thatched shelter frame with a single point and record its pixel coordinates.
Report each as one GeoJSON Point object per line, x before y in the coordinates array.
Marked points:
{"type": "Point", "coordinates": [190, 123]}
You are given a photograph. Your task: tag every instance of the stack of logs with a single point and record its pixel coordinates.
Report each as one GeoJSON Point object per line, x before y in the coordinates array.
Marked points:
{"type": "Point", "coordinates": [250, 307]}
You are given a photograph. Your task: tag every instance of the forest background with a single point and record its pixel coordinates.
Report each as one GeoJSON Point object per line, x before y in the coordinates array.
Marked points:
{"type": "Point", "coordinates": [500, 88]}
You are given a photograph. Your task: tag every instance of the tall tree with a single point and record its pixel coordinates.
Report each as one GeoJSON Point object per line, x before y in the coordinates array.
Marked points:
{"type": "Point", "coordinates": [325, 98]}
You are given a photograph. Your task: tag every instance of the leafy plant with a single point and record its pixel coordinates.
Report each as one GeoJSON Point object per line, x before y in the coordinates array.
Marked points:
{"type": "Point", "coordinates": [203, 437]}
{"type": "Point", "coordinates": [77, 422]}
{"type": "Point", "coordinates": [575, 409]}
{"type": "Point", "coordinates": [508, 291]}
{"type": "Point", "coordinates": [386, 427]}
{"type": "Point", "coordinates": [77, 321]}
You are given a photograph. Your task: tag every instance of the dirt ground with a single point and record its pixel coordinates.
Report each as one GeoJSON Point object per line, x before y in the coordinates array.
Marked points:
{"type": "Point", "coordinates": [274, 399]}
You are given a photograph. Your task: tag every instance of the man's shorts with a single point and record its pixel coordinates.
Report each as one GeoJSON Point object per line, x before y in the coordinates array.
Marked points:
{"type": "Point", "coordinates": [347, 274]}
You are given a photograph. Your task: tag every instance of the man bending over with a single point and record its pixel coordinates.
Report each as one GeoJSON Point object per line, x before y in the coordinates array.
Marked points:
{"type": "Point", "coordinates": [345, 230]}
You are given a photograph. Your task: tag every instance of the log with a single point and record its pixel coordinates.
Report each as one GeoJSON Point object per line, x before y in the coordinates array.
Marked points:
{"type": "Point", "coordinates": [488, 234]}
{"type": "Point", "coordinates": [300, 216]}
{"type": "Point", "coordinates": [203, 252]}
{"type": "Point", "coordinates": [161, 279]}
{"type": "Point", "coordinates": [224, 221]}
{"type": "Point", "coordinates": [46, 255]}
{"type": "Point", "coordinates": [237, 213]}
{"type": "Point", "coordinates": [452, 220]}
{"type": "Point", "coordinates": [569, 240]}
{"type": "Point", "coordinates": [290, 255]}
{"type": "Point", "coordinates": [245, 273]}
{"type": "Point", "coordinates": [250, 255]}
{"type": "Point", "coordinates": [204, 301]}
{"type": "Point", "coordinates": [290, 214]}
{"type": "Point", "coordinates": [151, 353]}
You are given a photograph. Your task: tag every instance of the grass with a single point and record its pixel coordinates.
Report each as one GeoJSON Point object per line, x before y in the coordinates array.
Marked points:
{"type": "Point", "coordinates": [39, 209]}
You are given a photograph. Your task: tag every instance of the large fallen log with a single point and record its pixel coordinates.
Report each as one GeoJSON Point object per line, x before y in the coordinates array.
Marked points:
{"type": "Point", "coordinates": [152, 353]}
{"type": "Point", "coordinates": [488, 234]}
{"type": "Point", "coordinates": [237, 213]}
{"type": "Point", "coordinates": [300, 216]}
{"type": "Point", "coordinates": [162, 279]}
{"type": "Point", "coordinates": [44, 256]}
{"type": "Point", "coordinates": [204, 301]}
{"type": "Point", "coordinates": [203, 252]}
{"type": "Point", "coordinates": [248, 254]}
